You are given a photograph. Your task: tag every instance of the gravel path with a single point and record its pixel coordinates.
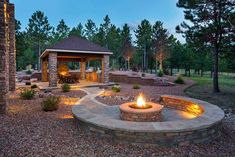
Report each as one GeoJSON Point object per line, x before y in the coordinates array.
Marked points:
{"type": "Point", "coordinates": [28, 131]}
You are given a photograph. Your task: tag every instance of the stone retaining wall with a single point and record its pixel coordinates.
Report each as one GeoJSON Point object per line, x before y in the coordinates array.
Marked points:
{"type": "Point", "coordinates": [139, 80]}
{"type": "Point", "coordinates": [156, 138]}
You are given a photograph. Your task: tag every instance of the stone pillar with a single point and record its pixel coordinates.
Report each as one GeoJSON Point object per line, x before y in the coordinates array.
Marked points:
{"type": "Point", "coordinates": [7, 48]}
{"type": "Point", "coordinates": [52, 69]}
{"type": "Point", "coordinates": [82, 70]}
{"type": "Point", "coordinates": [12, 54]}
{"type": "Point", "coordinates": [44, 70]}
{"type": "Point", "coordinates": [3, 52]}
{"type": "Point", "coordinates": [105, 69]}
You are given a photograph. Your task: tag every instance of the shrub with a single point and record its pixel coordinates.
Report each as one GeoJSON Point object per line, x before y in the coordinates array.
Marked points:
{"type": "Point", "coordinates": [34, 86]}
{"type": "Point", "coordinates": [116, 88]}
{"type": "Point", "coordinates": [27, 83]}
{"type": "Point", "coordinates": [27, 94]}
{"type": "Point", "coordinates": [65, 87]}
{"type": "Point", "coordinates": [160, 73]}
{"type": "Point", "coordinates": [136, 86]}
{"type": "Point", "coordinates": [50, 103]}
{"type": "Point", "coordinates": [179, 80]}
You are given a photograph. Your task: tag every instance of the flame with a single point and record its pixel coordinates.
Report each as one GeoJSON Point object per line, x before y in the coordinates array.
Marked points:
{"type": "Point", "coordinates": [63, 73]}
{"type": "Point", "coordinates": [141, 101]}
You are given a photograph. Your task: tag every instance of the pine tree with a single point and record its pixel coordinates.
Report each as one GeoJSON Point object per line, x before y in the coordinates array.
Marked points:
{"type": "Point", "coordinates": [77, 31]}
{"type": "Point", "coordinates": [90, 30]}
{"type": "Point", "coordinates": [144, 41]}
{"type": "Point", "coordinates": [210, 22]}
{"type": "Point", "coordinates": [39, 30]}
{"type": "Point", "coordinates": [160, 43]}
{"type": "Point", "coordinates": [62, 30]}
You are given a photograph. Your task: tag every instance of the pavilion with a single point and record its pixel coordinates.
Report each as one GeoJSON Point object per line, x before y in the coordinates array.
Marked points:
{"type": "Point", "coordinates": [73, 49]}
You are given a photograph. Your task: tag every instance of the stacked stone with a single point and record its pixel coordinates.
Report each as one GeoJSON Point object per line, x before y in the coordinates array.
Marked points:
{"type": "Point", "coordinates": [7, 51]}
{"type": "Point", "coordinates": [182, 104]}
{"type": "Point", "coordinates": [82, 69]}
{"type": "Point", "coordinates": [105, 68]}
{"type": "Point", "coordinates": [53, 69]}
{"type": "Point", "coordinates": [152, 114]}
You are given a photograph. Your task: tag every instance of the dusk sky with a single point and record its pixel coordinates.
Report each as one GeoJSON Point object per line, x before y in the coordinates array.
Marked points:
{"type": "Point", "coordinates": [119, 11]}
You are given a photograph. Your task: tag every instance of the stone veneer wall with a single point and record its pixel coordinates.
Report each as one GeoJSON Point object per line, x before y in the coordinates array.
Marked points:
{"type": "Point", "coordinates": [7, 51]}
{"type": "Point", "coordinates": [82, 70]}
{"type": "Point", "coordinates": [168, 138]}
{"type": "Point", "coordinates": [105, 69]}
{"type": "Point", "coordinates": [53, 69]}
{"type": "Point", "coordinates": [181, 104]}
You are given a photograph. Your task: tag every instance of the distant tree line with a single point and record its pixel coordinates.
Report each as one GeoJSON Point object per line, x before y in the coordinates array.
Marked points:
{"type": "Point", "coordinates": [209, 40]}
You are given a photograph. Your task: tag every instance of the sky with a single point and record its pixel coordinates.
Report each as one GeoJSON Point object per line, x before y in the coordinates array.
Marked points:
{"type": "Point", "coordinates": [131, 12]}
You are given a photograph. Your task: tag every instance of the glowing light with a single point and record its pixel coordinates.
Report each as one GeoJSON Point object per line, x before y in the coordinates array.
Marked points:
{"type": "Point", "coordinates": [63, 73]}
{"type": "Point", "coordinates": [141, 101]}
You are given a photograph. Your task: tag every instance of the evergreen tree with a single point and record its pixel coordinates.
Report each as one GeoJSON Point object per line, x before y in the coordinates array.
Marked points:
{"type": "Point", "coordinates": [144, 41]}
{"type": "Point", "coordinates": [62, 30]}
{"type": "Point", "coordinates": [77, 31]}
{"type": "Point", "coordinates": [210, 22]}
{"type": "Point", "coordinates": [39, 30]}
{"type": "Point", "coordinates": [160, 43]}
{"type": "Point", "coordinates": [127, 48]}
{"type": "Point", "coordinates": [90, 30]}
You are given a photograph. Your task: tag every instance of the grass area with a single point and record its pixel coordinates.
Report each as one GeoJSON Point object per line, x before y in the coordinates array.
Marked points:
{"type": "Point", "coordinates": [203, 89]}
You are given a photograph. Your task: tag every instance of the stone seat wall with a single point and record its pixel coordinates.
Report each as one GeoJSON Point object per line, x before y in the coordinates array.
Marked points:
{"type": "Point", "coordinates": [181, 104]}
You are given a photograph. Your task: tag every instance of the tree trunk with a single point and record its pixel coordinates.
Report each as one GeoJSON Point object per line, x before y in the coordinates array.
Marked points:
{"type": "Point", "coordinates": [128, 61]}
{"type": "Point", "coordinates": [156, 68]}
{"type": "Point", "coordinates": [189, 73]}
{"type": "Point", "coordinates": [201, 72]}
{"type": "Point", "coordinates": [39, 52]}
{"type": "Point", "coordinates": [160, 65]}
{"type": "Point", "coordinates": [215, 71]}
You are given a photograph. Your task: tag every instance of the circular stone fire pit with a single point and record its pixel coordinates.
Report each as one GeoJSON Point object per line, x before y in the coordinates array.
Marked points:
{"type": "Point", "coordinates": [203, 125]}
{"type": "Point", "coordinates": [151, 113]}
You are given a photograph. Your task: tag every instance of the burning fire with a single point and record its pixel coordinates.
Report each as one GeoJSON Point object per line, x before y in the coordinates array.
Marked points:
{"type": "Point", "coordinates": [141, 101]}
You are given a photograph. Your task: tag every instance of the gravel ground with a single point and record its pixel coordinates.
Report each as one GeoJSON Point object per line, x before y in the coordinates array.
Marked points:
{"type": "Point", "coordinates": [151, 93]}
{"type": "Point", "coordinates": [28, 131]}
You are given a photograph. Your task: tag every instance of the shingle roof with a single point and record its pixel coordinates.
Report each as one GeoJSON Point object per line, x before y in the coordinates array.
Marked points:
{"type": "Point", "coordinates": [74, 43]}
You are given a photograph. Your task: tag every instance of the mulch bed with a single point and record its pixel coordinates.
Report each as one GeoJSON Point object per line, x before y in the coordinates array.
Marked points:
{"type": "Point", "coordinates": [27, 131]}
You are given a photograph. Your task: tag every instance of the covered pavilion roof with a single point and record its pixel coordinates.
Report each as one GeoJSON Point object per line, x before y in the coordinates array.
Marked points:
{"type": "Point", "coordinates": [74, 44]}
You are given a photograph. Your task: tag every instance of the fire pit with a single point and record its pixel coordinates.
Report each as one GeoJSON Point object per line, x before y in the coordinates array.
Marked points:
{"type": "Point", "coordinates": [141, 111]}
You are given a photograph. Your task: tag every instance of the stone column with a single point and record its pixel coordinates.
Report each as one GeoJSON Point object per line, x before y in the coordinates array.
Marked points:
{"type": "Point", "coordinates": [82, 70]}
{"type": "Point", "coordinates": [105, 69]}
{"type": "Point", "coordinates": [44, 70]}
{"type": "Point", "coordinates": [12, 54]}
{"type": "Point", "coordinates": [52, 69]}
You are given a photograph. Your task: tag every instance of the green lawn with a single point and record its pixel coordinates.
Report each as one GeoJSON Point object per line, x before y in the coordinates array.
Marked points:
{"type": "Point", "coordinates": [203, 90]}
